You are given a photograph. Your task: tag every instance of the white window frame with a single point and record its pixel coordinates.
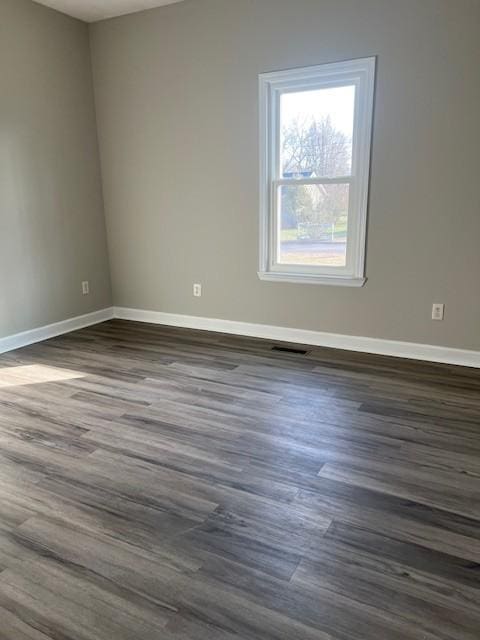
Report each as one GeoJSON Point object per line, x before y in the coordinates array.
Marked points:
{"type": "Point", "coordinates": [361, 73]}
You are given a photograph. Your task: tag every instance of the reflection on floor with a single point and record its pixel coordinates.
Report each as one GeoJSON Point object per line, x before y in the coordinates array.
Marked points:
{"type": "Point", "coordinates": [15, 376]}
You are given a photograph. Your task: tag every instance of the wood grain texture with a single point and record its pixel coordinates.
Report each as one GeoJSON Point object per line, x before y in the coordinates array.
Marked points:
{"type": "Point", "coordinates": [167, 484]}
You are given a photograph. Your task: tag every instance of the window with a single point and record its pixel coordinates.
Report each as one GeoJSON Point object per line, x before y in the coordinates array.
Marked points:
{"type": "Point", "coordinates": [315, 133]}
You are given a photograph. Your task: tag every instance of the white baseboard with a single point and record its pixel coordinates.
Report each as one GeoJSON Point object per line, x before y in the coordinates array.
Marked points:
{"type": "Point", "coordinates": [411, 350]}
{"type": "Point", "coordinates": [51, 330]}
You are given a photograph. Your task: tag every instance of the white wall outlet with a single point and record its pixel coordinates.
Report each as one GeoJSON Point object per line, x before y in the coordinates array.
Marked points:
{"type": "Point", "coordinates": [197, 290]}
{"type": "Point", "coordinates": [85, 288]}
{"type": "Point", "coordinates": [438, 311]}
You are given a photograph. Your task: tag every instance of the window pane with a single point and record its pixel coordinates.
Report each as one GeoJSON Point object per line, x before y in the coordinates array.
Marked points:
{"type": "Point", "coordinates": [316, 132]}
{"type": "Point", "coordinates": [313, 224]}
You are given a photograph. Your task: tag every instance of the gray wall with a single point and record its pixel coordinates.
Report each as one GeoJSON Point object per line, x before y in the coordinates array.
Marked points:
{"type": "Point", "coordinates": [176, 92]}
{"type": "Point", "coordinates": [52, 228]}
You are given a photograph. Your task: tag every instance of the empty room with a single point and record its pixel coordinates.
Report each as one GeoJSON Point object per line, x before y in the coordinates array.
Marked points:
{"type": "Point", "coordinates": [239, 320]}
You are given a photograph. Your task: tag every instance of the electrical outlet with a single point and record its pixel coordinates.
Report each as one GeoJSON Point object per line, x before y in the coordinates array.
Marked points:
{"type": "Point", "coordinates": [85, 288]}
{"type": "Point", "coordinates": [197, 290]}
{"type": "Point", "coordinates": [438, 311]}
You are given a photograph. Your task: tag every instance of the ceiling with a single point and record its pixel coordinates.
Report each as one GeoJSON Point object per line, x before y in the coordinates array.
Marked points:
{"type": "Point", "coordinates": [93, 10]}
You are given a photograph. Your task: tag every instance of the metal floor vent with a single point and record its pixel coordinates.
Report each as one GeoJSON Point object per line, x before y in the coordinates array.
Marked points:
{"type": "Point", "coordinates": [298, 352]}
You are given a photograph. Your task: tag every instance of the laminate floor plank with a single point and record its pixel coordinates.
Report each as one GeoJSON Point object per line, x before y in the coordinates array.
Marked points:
{"type": "Point", "coordinates": [455, 492]}
{"type": "Point", "coordinates": [411, 521]}
{"type": "Point", "coordinates": [159, 483]}
{"type": "Point", "coordinates": [13, 627]}
{"type": "Point", "coordinates": [331, 613]}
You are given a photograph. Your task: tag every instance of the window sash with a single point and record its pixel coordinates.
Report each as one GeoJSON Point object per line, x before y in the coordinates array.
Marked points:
{"type": "Point", "coordinates": [275, 230]}
{"type": "Point", "coordinates": [276, 133]}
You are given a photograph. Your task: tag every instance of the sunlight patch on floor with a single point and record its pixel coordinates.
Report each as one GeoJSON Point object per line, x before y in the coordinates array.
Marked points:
{"type": "Point", "coordinates": [35, 374]}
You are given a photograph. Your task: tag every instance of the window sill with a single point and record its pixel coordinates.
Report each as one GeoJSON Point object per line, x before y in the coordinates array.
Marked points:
{"type": "Point", "coordinates": [304, 278]}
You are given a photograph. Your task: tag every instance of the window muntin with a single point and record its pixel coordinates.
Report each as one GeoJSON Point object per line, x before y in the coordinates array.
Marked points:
{"type": "Point", "coordinates": [315, 136]}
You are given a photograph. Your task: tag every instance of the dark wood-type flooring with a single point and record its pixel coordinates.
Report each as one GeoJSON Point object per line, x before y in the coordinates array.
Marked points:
{"type": "Point", "coordinates": [167, 484]}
